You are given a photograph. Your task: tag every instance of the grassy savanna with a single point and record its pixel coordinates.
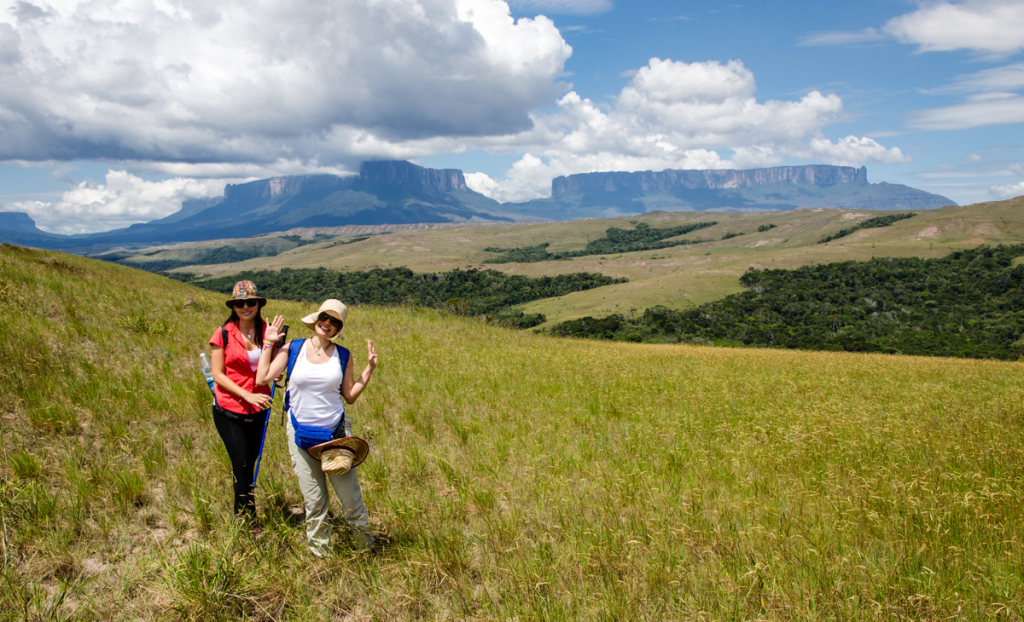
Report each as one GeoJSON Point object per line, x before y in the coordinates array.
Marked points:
{"type": "Point", "coordinates": [183, 253]}
{"type": "Point", "coordinates": [676, 277]}
{"type": "Point", "coordinates": [511, 476]}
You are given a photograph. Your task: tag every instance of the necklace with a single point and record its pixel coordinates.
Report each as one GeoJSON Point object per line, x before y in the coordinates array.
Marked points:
{"type": "Point", "coordinates": [317, 348]}
{"type": "Point", "coordinates": [247, 335]}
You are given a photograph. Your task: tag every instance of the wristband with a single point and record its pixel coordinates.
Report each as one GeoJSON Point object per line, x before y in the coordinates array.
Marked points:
{"type": "Point", "coordinates": [269, 346]}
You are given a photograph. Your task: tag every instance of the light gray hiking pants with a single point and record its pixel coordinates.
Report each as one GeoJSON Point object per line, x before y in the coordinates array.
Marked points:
{"type": "Point", "coordinates": [313, 484]}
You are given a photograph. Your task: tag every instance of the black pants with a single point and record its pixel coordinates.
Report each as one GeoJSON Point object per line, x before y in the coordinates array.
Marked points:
{"type": "Point", "coordinates": [242, 437]}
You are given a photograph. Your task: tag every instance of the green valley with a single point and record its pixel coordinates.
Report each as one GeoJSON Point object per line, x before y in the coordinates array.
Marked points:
{"type": "Point", "coordinates": [677, 277]}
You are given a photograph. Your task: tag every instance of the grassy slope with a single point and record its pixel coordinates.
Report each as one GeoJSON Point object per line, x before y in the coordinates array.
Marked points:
{"type": "Point", "coordinates": [512, 475]}
{"type": "Point", "coordinates": [675, 277]}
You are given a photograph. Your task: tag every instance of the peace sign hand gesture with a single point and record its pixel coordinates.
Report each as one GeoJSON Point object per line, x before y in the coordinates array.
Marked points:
{"type": "Point", "coordinates": [371, 354]}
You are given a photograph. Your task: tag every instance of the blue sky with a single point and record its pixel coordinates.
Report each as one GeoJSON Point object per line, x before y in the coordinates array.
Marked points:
{"type": "Point", "coordinates": [114, 111]}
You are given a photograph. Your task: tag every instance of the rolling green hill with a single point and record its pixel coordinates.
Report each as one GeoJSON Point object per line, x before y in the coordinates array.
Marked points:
{"type": "Point", "coordinates": [511, 475]}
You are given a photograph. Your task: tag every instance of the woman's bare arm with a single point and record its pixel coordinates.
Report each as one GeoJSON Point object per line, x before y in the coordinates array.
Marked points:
{"type": "Point", "coordinates": [272, 365]}
{"type": "Point", "coordinates": [350, 389]}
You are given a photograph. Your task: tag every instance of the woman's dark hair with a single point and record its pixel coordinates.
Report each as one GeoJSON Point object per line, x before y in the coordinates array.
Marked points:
{"type": "Point", "coordinates": [258, 321]}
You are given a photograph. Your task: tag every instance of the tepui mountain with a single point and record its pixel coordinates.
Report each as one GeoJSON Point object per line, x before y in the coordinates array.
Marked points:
{"type": "Point", "coordinates": [399, 192]}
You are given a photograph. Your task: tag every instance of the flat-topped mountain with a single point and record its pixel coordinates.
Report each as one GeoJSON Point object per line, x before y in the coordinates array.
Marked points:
{"type": "Point", "coordinates": [763, 189]}
{"type": "Point", "coordinates": [388, 192]}
{"type": "Point", "coordinates": [19, 228]}
{"type": "Point", "coordinates": [401, 173]}
{"type": "Point", "coordinates": [712, 179]}
{"type": "Point", "coordinates": [384, 192]}
{"type": "Point", "coordinates": [17, 221]}
{"type": "Point", "coordinates": [399, 192]}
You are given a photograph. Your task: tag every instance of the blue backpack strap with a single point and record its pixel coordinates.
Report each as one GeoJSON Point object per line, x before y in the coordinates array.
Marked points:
{"type": "Point", "coordinates": [293, 354]}
{"type": "Point", "coordinates": [343, 355]}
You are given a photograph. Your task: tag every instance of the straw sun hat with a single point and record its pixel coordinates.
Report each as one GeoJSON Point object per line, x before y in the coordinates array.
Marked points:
{"type": "Point", "coordinates": [341, 454]}
{"type": "Point", "coordinates": [333, 308]}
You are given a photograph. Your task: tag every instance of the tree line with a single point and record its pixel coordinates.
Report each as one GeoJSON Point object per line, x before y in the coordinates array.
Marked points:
{"type": "Point", "coordinates": [870, 223]}
{"type": "Point", "coordinates": [968, 304]}
{"type": "Point", "coordinates": [464, 292]}
{"type": "Point", "coordinates": [642, 238]}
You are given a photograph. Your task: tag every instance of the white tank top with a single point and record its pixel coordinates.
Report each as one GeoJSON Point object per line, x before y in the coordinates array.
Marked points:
{"type": "Point", "coordinates": [254, 358]}
{"type": "Point", "coordinates": [314, 391]}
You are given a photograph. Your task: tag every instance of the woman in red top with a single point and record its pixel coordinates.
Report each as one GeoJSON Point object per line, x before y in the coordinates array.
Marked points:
{"type": "Point", "coordinates": [241, 406]}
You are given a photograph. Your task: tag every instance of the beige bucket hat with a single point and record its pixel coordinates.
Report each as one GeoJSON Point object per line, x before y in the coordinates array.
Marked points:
{"type": "Point", "coordinates": [333, 308]}
{"type": "Point", "coordinates": [341, 454]}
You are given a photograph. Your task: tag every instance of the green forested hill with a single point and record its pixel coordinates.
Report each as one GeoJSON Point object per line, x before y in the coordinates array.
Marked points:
{"type": "Point", "coordinates": [970, 303]}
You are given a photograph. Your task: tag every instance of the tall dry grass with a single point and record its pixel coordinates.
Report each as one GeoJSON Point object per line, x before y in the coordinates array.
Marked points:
{"type": "Point", "coordinates": [512, 476]}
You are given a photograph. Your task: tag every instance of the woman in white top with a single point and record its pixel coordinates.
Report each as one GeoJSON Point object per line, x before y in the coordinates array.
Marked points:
{"type": "Point", "coordinates": [320, 379]}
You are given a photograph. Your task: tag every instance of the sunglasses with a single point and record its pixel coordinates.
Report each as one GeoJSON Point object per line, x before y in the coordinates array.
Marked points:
{"type": "Point", "coordinates": [335, 322]}
{"type": "Point", "coordinates": [238, 304]}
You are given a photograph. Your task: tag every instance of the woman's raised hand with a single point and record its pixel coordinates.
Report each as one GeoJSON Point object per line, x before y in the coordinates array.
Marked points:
{"type": "Point", "coordinates": [274, 329]}
{"type": "Point", "coordinates": [371, 353]}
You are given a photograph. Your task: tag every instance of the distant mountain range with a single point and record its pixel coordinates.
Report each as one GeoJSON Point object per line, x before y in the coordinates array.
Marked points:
{"type": "Point", "coordinates": [399, 192]}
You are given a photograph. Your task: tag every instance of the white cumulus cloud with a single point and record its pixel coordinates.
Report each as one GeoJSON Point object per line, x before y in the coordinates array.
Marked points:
{"type": "Point", "coordinates": [679, 115]}
{"type": "Point", "coordinates": [237, 81]}
{"type": "Point", "coordinates": [987, 26]}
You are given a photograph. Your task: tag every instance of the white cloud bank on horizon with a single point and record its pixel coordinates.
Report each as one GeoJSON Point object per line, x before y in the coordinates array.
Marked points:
{"type": "Point", "coordinates": [1009, 191]}
{"type": "Point", "coordinates": [676, 115]}
{"type": "Point", "coordinates": [123, 200]}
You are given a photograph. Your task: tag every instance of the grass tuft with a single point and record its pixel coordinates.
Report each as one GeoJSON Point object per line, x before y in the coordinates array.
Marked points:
{"type": "Point", "coordinates": [142, 325]}
{"type": "Point", "coordinates": [25, 465]}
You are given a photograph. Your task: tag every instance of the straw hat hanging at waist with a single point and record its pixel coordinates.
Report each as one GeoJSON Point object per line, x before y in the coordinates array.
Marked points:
{"type": "Point", "coordinates": [339, 455]}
